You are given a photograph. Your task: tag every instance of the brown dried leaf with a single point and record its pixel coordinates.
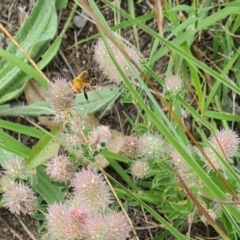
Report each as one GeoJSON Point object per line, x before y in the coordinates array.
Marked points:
{"type": "Point", "coordinates": [34, 93]}
{"type": "Point", "coordinates": [114, 145]}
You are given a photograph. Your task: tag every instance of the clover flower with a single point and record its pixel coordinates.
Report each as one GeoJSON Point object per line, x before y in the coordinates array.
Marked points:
{"type": "Point", "coordinates": [107, 66]}
{"type": "Point", "coordinates": [91, 190]}
{"type": "Point", "coordinates": [118, 226]}
{"type": "Point", "coordinates": [15, 168]}
{"type": "Point", "coordinates": [153, 146]}
{"type": "Point", "coordinates": [19, 198]}
{"type": "Point", "coordinates": [225, 142]}
{"type": "Point", "coordinates": [140, 169]}
{"type": "Point", "coordinates": [66, 222]}
{"type": "Point", "coordinates": [132, 147]}
{"type": "Point", "coordinates": [61, 98]}
{"type": "Point", "coordinates": [174, 84]}
{"type": "Point", "coordinates": [60, 168]}
{"type": "Point", "coordinates": [96, 228]}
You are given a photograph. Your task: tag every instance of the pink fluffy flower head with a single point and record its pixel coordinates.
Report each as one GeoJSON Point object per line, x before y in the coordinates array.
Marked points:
{"type": "Point", "coordinates": [19, 198]}
{"type": "Point", "coordinates": [96, 228]}
{"type": "Point", "coordinates": [102, 57]}
{"type": "Point", "coordinates": [55, 220]}
{"type": "Point", "coordinates": [66, 222]}
{"type": "Point", "coordinates": [91, 189]}
{"type": "Point", "coordinates": [111, 226]}
{"type": "Point", "coordinates": [118, 226]}
{"type": "Point", "coordinates": [74, 221]}
{"type": "Point", "coordinates": [72, 139]}
{"type": "Point", "coordinates": [61, 97]}
{"type": "Point", "coordinates": [60, 168]}
{"type": "Point", "coordinates": [174, 84]}
{"type": "Point", "coordinates": [140, 169]}
{"type": "Point", "coordinates": [132, 147]}
{"type": "Point", "coordinates": [225, 141]}
{"type": "Point", "coordinates": [99, 136]}
{"type": "Point", "coordinates": [15, 168]}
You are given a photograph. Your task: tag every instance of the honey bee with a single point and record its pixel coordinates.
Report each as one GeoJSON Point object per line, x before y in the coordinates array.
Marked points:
{"type": "Point", "coordinates": [86, 78]}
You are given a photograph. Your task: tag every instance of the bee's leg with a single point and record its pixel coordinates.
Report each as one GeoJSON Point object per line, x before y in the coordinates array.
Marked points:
{"type": "Point", "coordinates": [85, 94]}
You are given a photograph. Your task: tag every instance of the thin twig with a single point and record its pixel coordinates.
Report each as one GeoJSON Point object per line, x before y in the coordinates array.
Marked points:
{"type": "Point", "coordinates": [26, 229]}
{"type": "Point", "coordinates": [145, 217]}
{"type": "Point", "coordinates": [66, 62]}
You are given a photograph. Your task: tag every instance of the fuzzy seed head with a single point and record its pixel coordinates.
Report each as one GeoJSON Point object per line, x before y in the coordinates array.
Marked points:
{"type": "Point", "coordinates": [140, 169]}
{"type": "Point", "coordinates": [60, 168]}
{"type": "Point", "coordinates": [77, 122]}
{"type": "Point", "coordinates": [91, 189]}
{"type": "Point", "coordinates": [132, 147]}
{"type": "Point", "coordinates": [61, 97]}
{"type": "Point", "coordinates": [174, 84]}
{"type": "Point", "coordinates": [15, 168]}
{"type": "Point", "coordinates": [72, 139]}
{"type": "Point", "coordinates": [19, 198]}
{"type": "Point", "coordinates": [225, 141]}
{"type": "Point", "coordinates": [99, 136]}
{"type": "Point", "coordinates": [102, 57]}
{"type": "Point", "coordinates": [55, 221]}
{"type": "Point", "coordinates": [96, 228]}
{"type": "Point", "coordinates": [118, 226]}
{"type": "Point", "coordinates": [74, 221]}
{"type": "Point", "coordinates": [154, 146]}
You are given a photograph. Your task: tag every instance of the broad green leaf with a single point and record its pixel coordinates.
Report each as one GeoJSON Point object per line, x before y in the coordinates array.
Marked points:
{"type": "Point", "coordinates": [38, 29]}
{"type": "Point", "coordinates": [29, 131]}
{"type": "Point", "coordinates": [61, 4]}
{"type": "Point", "coordinates": [11, 144]}
{"type": "Point", "coordinates": [46, 148]}
{"type": "Point", "coordinates": [50, 191]}
{"type": "Point", "coordinates": [50, 53]}
{"type": "Point", "coordinates": [26, 68]}
{"type": "Point", "coordinates": [15, 93]}
{"type": "Point", "coordinates": [222, 116]}
{"type": "Point", "coordinates": [36, 109]}
{"type": "Point", "coordinates": [96, 100]}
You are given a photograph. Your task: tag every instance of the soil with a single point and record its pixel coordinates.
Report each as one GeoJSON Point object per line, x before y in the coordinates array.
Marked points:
{"type": "Point", "coordinates": [80, 57]}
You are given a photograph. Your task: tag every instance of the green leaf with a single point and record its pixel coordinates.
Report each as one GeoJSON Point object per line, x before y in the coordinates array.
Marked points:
{"type": "Point", "coordinates": [46, 188]}
{"type": "Point", "coordinates": [26, 68]}
{"type": "Point", "coordinates": [11, 144]}
{"type": "Point", "coordinates": [59, 4]}
{"type": "Point", "coordinates": [97, 100]}
{"type": "Point", "coordinates": [9, 96]}
{"type": "Point", "coordinates": [38, 29]}
{"type": "Point", "coordinates": [36, 109]}
{"type": "Point", "coordinates": [46, 148]}
{"type": "Point", "coordinates": [29, 131]}
{"type": "Point", "coordinates": [50, 53]}
{"type": "Point", "coordinates": [179, 208]}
